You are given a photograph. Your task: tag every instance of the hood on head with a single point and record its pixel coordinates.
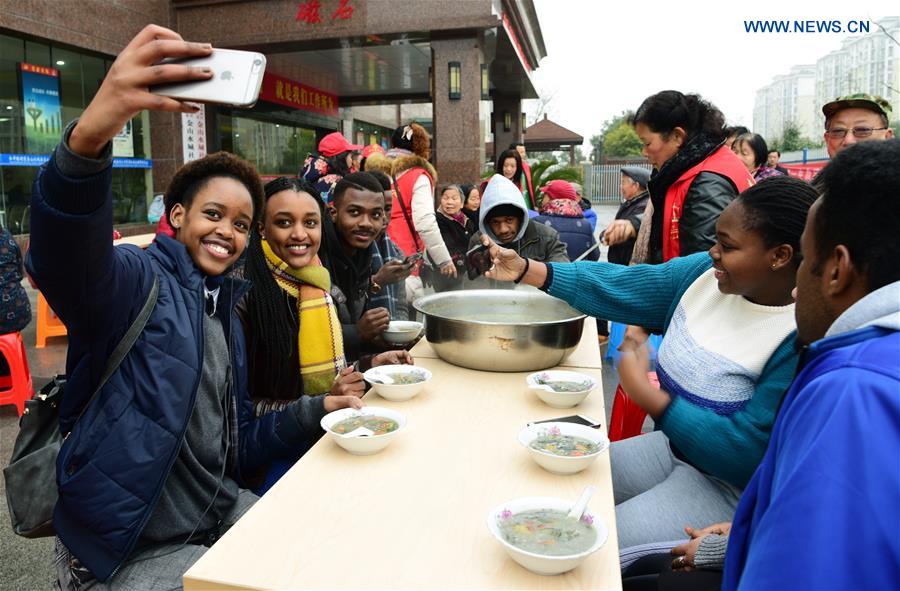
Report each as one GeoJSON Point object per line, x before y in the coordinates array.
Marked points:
{"type": "Point", "coordinates": [501, 191]}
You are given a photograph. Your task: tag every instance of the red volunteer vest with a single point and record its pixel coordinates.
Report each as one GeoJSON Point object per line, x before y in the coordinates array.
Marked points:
{"type": "Point", "coordinates": [398, 229]}
{"type": "Point", "coordinates": [724, 162]}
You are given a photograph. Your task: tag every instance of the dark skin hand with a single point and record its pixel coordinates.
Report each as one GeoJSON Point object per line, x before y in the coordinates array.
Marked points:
{"type": "Point", "coordinates": [372, 323]}
{"type": "Point", "coordinates": [392, 272]}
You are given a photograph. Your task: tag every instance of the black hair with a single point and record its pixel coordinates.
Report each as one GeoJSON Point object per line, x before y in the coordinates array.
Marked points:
{"type": "Point", "coordinates": [466, 191]}
{"type": "Point", "coordinates": [195, 175]}
{"type": "Point", "coordinates": [776, 209]}
{"type": "Point", "coordinates": [668, 109]}
{"type": "Point", "coordinates": [515, 145]}
{"type": "Point", "coordinates": [271, 327]}
{"type": "Point", "coordinates": [773, 150]}
{"type": "Point", "coordinates": [757, 144]}
{"type": "Point", "coordinates": [735, 130]}
{"type": "Point", "coordinates": [361, 181]}
{"type": "Point", "coordinates": [860, 209]}
{"type": "Point", "coordinates": [383, 179]}
{"type": "Point", "coordinates": [337, 164]}
{"type": "Point", "coordinates": [498, 168]}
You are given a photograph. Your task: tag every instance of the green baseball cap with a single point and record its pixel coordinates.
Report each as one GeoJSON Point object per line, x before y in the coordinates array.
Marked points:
{"type": "Point", "coordinates": [860, 100]}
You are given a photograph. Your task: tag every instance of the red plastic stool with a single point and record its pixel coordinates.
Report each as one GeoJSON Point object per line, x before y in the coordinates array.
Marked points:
{"type": "Point", "coordinates": [15, 388]}
{"type": "Point", "coordinates": [627, 418]}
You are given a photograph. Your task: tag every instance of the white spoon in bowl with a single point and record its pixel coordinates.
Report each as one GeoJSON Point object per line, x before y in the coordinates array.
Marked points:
{"type": "Point", "coordinates": [359, 432]}
{"type": "Point", "coordinates": [384, 380]}
{"type": "Point", "coordinates": [578, 509]}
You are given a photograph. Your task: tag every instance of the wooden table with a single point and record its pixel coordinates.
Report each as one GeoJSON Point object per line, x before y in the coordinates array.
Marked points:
{"type": "Point", "coordinates": [142, 240]}
{"type": "Point", "coordinates": [414, 516]}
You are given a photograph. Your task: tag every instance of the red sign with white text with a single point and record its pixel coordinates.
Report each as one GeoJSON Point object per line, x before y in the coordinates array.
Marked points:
{"type": "Point", "coordinates": [283, 91]}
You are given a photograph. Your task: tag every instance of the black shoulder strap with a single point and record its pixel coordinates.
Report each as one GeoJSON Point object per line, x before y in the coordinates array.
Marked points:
{"type": "Point", "coordinates": [409, 224]}
{"type": "Point", "coordinates": [127, 342]}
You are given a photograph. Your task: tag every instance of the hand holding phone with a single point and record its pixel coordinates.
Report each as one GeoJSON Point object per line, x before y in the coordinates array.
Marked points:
{"type": "Point", "coordinates": [123, 93]}
{"type": "Point", "coordinates": [478, 260]}
{"type": "Point", "coordinates": [236, 80]}
{"type": "Point", "coordinates": [413, 258]}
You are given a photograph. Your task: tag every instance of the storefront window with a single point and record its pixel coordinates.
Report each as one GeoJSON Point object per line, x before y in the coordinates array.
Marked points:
{"type": "Point", "coordinates": [276, 149]}
{"type": "Point", "coordinates": [80, 76]}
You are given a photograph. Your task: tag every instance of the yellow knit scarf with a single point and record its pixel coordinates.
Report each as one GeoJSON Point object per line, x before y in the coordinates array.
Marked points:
{"type": "Point", "coordinates": [319, 340]}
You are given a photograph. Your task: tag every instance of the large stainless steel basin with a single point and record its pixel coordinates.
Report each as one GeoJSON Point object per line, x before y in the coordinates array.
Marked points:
{"type": "Point", "coordinates": [500, 330]}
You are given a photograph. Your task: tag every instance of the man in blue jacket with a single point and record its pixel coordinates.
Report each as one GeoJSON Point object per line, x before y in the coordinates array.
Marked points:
{"type": "Point", "coordinates": [822, 510]}
{"type": "Point", "coordinates": [156, 467]}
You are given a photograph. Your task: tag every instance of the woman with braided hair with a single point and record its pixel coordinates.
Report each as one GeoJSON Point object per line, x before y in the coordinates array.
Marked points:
{"type": "Point", "coordinates": [727, 357]}
{"type": "Point", "coordinates": [295, 345]}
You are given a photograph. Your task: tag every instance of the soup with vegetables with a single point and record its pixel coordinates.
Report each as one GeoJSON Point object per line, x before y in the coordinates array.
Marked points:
{"type": "Point", "coordinates": [564, 386]}
{"type": "Point", "coordinates": [548, 531]}
{"type": "Point", "coordinates": [404, 379]}
{"type": "Point", "coordinates": [564, 445]}
{"type": "Point", "coordinates": [379, 425]}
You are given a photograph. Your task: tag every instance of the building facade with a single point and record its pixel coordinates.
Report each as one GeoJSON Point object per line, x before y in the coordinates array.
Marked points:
{"type": "Point", "coordinates": [790, 98]}
{"type": "Point", "coordinates": [864, 63]}
{"type": "Point", "coordinates": [361, 67]}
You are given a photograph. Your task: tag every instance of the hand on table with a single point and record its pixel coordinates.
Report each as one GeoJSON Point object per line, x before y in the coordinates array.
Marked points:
{"type": "Point", "coordinates": [125, 90]}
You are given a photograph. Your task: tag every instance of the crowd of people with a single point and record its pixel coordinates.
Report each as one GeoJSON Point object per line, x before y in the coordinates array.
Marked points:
{"type": "Point", "coordinates": [777, 409]}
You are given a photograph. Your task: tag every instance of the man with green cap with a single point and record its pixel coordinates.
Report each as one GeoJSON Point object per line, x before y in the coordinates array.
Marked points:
{"type": "Point", "coordinates": [856, 118]}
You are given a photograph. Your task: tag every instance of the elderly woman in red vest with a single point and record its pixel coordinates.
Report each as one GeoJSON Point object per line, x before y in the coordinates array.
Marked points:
{"type": "Point", "coordinates": [695, 175]}
{"type": "Point", "coordinates": [413, 226]}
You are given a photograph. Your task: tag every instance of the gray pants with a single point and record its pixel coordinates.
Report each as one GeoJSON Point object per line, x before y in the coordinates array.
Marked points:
{"type": "Point", "coordinates": [657, 495]}
{"type": "Point", "coordinates": [153, 569]}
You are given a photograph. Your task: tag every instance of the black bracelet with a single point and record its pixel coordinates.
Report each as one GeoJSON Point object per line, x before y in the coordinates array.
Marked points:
{"type": "Point", "coordinates": [522, 274]}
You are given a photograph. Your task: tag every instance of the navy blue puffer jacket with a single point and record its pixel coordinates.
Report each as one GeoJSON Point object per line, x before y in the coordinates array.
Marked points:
{"type": "Point", "coordinates": [576, 233]}
{"type": "Point", "coordinates": [114, 463]}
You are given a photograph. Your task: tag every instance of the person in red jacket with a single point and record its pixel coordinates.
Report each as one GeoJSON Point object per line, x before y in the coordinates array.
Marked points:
{"type": "Point", "coordinates": [695, 174]}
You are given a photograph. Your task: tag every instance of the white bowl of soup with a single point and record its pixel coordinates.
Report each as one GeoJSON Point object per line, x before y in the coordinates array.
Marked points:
{"type": "Point", "coordinates": [561, 389]}
{"type": "Point", "coordinates": [343, 426]}
{"type": "Point", "coordinates": [537, 534]}
{"type": "Point", "coordinates": [563, 448]}
{"type": "Point", "coordinates": [397, 382]}
{"type": "Point", "coordinates": [402, 332]}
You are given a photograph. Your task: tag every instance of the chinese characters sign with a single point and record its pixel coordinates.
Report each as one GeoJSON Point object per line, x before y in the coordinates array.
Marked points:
{"type": "Point", "coordinates": [43, 120]}
{"type": "Point", "coordinates": [193, 135]}
{"type": "Point", "coordinates": [283, 91]}
{"type": "Point", "coordinates": [308, 12]}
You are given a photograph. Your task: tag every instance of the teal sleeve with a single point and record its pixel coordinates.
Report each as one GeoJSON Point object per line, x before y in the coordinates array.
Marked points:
{"type": "Point", "coordinates": [644, 295]}
{"type": "Point", "coordinates": [731, 447]}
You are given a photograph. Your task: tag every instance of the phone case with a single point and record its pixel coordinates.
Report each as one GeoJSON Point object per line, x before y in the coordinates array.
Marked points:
{"type": "Point", "coordinates": [237, 79]}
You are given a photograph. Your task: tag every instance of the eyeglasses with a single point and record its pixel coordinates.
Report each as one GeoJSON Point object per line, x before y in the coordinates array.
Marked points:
{"type": "Point", "coordinates": [858, 132]}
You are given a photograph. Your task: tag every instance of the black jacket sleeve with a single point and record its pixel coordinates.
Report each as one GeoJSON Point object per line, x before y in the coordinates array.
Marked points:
{"type": "Point", "coordinates": [708, 196]}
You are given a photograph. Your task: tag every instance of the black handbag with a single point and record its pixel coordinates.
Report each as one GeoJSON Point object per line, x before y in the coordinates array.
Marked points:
{"type": "Point", "coordinates": [31, 489]}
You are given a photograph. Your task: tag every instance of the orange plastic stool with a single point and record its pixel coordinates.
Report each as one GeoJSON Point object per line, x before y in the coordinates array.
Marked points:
{"type": "Point", "coordinates": [627, 418]}
{"type": "Point", "coordinates": [48, 323]}
{"type": "Point", "coordinates": [15, 388]}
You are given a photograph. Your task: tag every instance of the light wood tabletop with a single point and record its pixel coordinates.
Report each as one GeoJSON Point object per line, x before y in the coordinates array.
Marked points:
{"type": "Point", "coordinates": [414, 515]}
{"type": "Point", "coordinates": [142, 240]}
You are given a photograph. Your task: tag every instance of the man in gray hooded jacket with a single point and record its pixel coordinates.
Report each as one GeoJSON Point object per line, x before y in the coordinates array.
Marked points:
{"type": "Point", "coordinates": [504, 220]}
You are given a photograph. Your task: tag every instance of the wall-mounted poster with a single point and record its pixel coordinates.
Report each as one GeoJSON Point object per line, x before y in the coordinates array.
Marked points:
{"type": "Point", "coordinates": [123, 142]}
{"type": "Point", "coordinates": [40, 95]}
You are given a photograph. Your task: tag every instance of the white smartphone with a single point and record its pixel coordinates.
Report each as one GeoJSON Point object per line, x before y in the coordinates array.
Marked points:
{"type": "Point", "coordinates": [237, 78]}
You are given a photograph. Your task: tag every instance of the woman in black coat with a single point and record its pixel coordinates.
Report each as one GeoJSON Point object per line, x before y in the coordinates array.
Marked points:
{"type": "Point", "coordinates": [456, 229]}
